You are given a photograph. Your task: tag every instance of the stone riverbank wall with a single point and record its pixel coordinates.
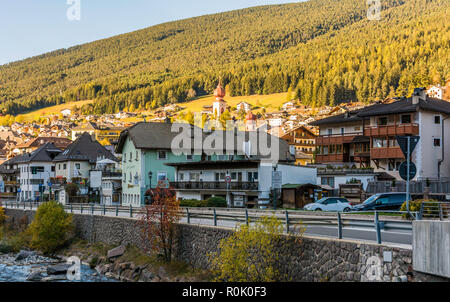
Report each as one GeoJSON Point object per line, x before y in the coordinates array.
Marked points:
{"type": "Point", "coordinates": [314, 259]}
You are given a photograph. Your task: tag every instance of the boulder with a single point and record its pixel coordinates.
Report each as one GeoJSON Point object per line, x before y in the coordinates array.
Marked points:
{"type": "Point", "coordinates": [116, 252]}
{"type": "Point", "coordinates": [24, 255]}
{"type": "Point", "coordinates": [35, 277]}
{"type": "Point", "coordinates": [59, 269]}
{"type": "Point", "coordinates": [54, 278]}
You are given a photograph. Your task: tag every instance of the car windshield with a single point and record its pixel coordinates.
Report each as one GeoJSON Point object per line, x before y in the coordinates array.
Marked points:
{"type": "Point", "coordinates": [321, 201]}
{"type": "Point", "coordinates": [371, 199]}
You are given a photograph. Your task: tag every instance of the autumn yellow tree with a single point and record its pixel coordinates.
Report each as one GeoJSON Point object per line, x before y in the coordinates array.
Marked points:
{"type": "Point", "coordinates": [250, 254]}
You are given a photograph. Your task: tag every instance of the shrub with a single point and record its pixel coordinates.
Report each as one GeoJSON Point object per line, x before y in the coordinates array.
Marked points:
{"type": "Point", "coordinates": [217, 202]}
{"type": "Point", "coordinates": [415, 206]}
{"type": "Point", "coordinates": [193, 203]}
{"type": "Point", "coordinates": [250, 254]}
{"type": "Point", "coordinates": [51, 227]}
{"type": "Point", "coordinates": [2, 216]}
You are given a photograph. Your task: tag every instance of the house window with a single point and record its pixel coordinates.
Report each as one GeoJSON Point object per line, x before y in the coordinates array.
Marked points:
{"type": "Point", "coordinates": [137, 155]}
{"type": "Point", "coordinates": [406, 119]}
{"type": "Point", "coordinates": [181, 176]}
{"type": "Point", "coordinates": [190, 157]}
{"type": "Point", "coordinates": [437, 119]}
{"type": "Point", "coordinates": [437, 142]}
{"type": "Point", "coordinates": [330, 131]}
{"type": "Point", "coordinates": [78, 166]}
{"type": "Point", "coordinates": [124, 157]}
{"type": "Point", "coordinates": [327, 181]}
{"type": "Point", "coordinates": [382, 121]}
{"type": "Point", "coordinates": [162, 155]}
{"type": "Point", "coordinates": [131, 156]}
{"type": "Point", "coordinates": [342, 131]}
{"type": "Point", "coordinates": [162, 176]}
{"type": "Point", "coordinates": [64, 166]}
{"type": "Point", "coordinates": [234, 176]}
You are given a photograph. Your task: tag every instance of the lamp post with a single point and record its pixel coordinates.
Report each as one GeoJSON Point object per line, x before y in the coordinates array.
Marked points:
{"type": "Point", "coordinates": [150, 174]}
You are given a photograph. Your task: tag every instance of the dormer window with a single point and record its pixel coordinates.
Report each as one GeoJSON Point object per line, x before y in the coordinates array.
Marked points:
{"type": "Point", "coordinates": [382, 121]}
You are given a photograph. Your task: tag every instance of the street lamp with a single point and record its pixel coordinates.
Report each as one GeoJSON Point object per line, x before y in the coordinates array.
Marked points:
{"type": "Point", "coordinates": [150, 174]}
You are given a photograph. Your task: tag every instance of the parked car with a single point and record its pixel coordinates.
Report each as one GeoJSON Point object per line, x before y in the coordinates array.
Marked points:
{"type": "Point", "coordinates": [384, 201]}
{"type": "Point", "coordinates": [330, 204]}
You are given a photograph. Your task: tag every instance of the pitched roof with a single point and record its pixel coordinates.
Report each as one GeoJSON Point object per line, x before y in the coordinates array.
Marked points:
{"type": "Point", "coordinates": [60, 142]}
{"type": "Point", "coordinates": [404, 105]}
{"type": "Point", "coordinates": [85, 149]}
{"type": "Point", "coordinates": [159, 136]}
{"type": "Point", "coordinates": [45, 153]}
{"type": "Point", "coordinates": [407, 106]}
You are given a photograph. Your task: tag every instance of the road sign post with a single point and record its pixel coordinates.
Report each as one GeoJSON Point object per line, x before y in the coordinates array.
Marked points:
{"type": "Point", "coordinates": [408, 144]}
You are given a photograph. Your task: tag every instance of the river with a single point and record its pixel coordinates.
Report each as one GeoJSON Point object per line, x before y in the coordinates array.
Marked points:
{"type": "Point", "coordinates": [18, 271]}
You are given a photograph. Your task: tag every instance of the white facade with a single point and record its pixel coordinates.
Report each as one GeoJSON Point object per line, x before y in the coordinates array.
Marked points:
{"type": "Point", "coordinates": [436, 92]}
{"type": "Point", "coordinates": [32, 175]}
{"type": "Point", "coordinates": [244, 106]}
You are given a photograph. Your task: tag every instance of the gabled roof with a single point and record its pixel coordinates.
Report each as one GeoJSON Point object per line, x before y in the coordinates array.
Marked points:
{"type": "Point", "coordinates": [407, 106]}
{"type": "Point", "coordinates": [59, 142]}
{"type": "Point", "coordinates": [88, 126]}
{"type": "Point", "coordinates": [85, 149]}
{"type": "Point", "coordinates": [45, 153]}
{"type": "Point", "coordinates": [404, 105]}
{"type": "Point", "coordinates": [159, 136]}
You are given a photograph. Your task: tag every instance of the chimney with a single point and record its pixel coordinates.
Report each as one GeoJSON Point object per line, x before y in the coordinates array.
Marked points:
{"type": "Point", "coordinates": [419, 94]}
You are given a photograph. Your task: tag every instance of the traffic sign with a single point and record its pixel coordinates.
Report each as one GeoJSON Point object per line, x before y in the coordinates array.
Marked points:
{"type": "Point", "coordinates": [404, 170]}
{"type": "Point", "coordinates": [228, 179]}
{"type": "Point", "coordinates": [403, 143]}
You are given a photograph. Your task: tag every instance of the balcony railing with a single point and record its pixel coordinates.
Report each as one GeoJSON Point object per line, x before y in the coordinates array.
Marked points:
{"type": "Point", "coordinates": [382, 153]}
{"type": "Point", "coordinates": [336, 139]}
{"type": "Point", "coordinates": [392, 130]}
{"type": "Point", "coordinates": [330, 158]}
{"type": "Point", "coordinates": [215, 185]}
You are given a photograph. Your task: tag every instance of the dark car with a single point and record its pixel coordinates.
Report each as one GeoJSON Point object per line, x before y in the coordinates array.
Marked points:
{"type": "Point", "coordinates": [382, 202]}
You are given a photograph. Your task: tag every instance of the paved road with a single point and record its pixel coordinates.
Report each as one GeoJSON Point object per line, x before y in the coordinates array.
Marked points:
{"type": "Point", "coordinates": [403, 237]}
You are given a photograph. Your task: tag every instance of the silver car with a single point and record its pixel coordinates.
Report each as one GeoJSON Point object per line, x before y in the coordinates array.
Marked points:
{"type": "Point", "coordinates": [330, 204]}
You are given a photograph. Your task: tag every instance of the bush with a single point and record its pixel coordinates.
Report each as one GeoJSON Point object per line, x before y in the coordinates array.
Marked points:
{"type": "Point", "coordinates": [212, 202]}
{"type": "Point", "coordinates": [193, 203]}
{"type": "Point", "coordinates": [415, 206]}
{"type": "Point", "coordinates": [217, 202]}
{"type": "Point", "coordinates": [51, 227]}
{"type": "Point", "coordinates": [2, 216]}
{"type": "Point", "coordinates": [250, 254]}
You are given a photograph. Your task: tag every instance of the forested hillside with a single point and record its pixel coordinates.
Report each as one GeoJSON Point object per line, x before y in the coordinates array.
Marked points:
{"type": "Point", "coordinates": [324, 51]}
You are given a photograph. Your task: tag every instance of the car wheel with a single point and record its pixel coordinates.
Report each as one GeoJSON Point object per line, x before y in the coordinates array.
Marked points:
{"type": "Point", "coordinates": [347, 210]}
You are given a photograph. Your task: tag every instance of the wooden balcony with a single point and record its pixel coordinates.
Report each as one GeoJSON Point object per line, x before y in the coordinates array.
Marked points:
{"type": "Point", "coordinates": [337, 139]}
{"type": "Point", "coordinates": [330, 158]}
{"type": "Point", "coordinates": [392, 130]}
{"type": "Point", "coordinates": [382, 153]}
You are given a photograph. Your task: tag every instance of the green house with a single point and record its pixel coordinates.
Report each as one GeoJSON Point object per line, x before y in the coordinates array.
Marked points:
{"type": "Point", "coordinates": [146, 149]}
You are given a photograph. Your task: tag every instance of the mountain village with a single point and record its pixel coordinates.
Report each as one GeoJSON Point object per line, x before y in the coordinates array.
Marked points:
{"type": "Point", "coordinates": [350, 151]}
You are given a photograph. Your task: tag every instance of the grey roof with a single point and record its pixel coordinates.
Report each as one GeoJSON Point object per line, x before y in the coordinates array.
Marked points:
{"type": "Point", "coordinates": [406, 106]}
{"type": "Point", "coordinates": [403, 105]}
{"type": "Point", "coordinates": [159, 136]}
{"type": "Point", "coordinates": [348, 117]}
{"type": "Point", "coordinates": [85, 149]}
{"type": "Point", "coordinates": [45, 153]}
{"type": "Point", "coordinates": [148, 136]}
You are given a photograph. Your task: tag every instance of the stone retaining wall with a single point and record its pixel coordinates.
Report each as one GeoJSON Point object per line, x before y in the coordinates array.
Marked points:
{"type": "Point", "coordinates": [315, 259]}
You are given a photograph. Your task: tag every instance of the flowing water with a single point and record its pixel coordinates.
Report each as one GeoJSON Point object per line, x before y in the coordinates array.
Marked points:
{"type": "Point", "coordinates": [18, 271]}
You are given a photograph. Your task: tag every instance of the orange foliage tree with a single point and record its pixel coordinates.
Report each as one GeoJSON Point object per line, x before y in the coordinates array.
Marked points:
{"type": "Point", "coordinates": [157, 222]}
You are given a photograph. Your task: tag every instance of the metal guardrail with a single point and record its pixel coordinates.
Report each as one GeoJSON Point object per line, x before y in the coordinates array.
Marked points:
{"type": "Point", "coordinates": [435, 210]}
{"type": "Point", "coordinates": [291, 219]}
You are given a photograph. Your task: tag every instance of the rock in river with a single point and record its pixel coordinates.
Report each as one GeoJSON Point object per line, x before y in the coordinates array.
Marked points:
{"type": "Point", "coordinates": [24, 255]}
{"type": "Point", "coordinates": [58, 269]}
{"type": "Point", "coordinates": [35, 277]}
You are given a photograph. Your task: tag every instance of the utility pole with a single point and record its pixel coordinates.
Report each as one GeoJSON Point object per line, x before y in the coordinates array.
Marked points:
{"type": "Point", "coordinates": [408, 194]}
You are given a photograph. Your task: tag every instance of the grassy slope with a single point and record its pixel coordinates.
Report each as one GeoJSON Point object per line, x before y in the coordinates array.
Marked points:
{"type": "Point", "coordinates": [53, 110]}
